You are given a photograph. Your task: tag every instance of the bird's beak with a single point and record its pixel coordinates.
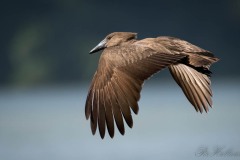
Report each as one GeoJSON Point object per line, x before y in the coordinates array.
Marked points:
{"type": "Point", "coordinates": [99, 47]}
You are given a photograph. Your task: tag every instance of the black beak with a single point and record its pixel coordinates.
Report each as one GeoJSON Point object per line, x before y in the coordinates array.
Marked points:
{"type": "Point", "coordinates": [99, 47]}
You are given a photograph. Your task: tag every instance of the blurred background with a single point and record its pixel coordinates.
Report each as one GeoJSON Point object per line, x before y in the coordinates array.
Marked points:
{"type": "Point", "coordinates": [45, 72]}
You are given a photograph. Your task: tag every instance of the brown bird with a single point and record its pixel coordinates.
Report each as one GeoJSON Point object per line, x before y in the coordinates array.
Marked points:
{"type": "Point", "coordinates": [124, 65]}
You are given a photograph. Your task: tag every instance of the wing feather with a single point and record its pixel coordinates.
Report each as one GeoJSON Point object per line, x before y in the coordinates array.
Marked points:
{"type": "Point", "coordinates": [116, 109]}
{"type": "Point", "coordinates": [109, 112]}
{"type": "Point", "coordinates": [101, 117]}
{"type": "Point", "coordinates": [127, 88]}
{"type": "Point", "coordinates": [195, 85]}
{"type": "Point", "coordinates": [122, 101]}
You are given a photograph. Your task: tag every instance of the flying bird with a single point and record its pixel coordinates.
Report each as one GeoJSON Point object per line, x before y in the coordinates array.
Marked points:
{"type": "Point", "coordinates": [126, 63]}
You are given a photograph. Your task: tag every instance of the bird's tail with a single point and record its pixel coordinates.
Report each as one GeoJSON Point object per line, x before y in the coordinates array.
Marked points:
{"type": "Point", "coordinates": [195, 85]}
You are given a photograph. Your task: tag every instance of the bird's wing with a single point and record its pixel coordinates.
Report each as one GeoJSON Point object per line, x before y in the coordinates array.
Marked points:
{"type": "Point", "coordinates": [195, 85]}
{"type": "Point", "coordinates": [117, 83]}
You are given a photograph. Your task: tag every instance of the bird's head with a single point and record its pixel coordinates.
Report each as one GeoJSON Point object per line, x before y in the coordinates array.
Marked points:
{"type": "Point", "coordinates": [114, 39]}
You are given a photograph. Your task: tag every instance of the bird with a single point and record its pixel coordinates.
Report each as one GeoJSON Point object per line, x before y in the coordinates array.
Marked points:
{"type": "Point", "coordinates": [124, 65]}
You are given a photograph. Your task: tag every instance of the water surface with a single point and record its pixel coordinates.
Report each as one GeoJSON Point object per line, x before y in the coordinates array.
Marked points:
{"type": "Point", "coordinates": [49, 123]}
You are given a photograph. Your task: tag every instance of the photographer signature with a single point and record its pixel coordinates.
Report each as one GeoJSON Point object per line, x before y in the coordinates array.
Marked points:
{"type": "Point", "coordinates": [216, 151]}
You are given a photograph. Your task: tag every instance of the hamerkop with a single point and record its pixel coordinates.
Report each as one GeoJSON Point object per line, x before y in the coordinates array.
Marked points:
{"type": "Point", "coordinates": [127, 62]}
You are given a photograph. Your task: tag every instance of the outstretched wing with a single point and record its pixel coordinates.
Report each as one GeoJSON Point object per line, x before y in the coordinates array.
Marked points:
{"type": "Point", "coordinates": [192, 77]}
{"type": "Point", "coordinates": [195, 85]}
{"type": "Point", "coordinates": [117, 83]}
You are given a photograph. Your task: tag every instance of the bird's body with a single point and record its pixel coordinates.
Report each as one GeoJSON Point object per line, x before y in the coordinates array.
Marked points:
{"type": "Point", "coordinates": [124, 65]}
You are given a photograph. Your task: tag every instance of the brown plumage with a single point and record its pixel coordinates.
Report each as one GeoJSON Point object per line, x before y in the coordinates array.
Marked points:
{"type": "Point", "coordinates": [124, 65]}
